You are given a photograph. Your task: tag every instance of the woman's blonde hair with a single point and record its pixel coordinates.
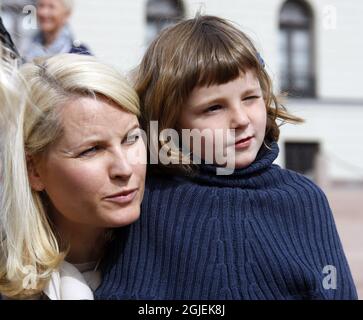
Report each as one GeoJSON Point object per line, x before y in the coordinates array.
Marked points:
{"type": "Point", "coordinates": [28, 239]}
{"type": "Point", "coordinates": [205, 50]}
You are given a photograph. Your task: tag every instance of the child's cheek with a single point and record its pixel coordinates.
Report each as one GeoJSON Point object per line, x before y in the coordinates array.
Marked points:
{"type": "Point", "coordinates": [260, 119]}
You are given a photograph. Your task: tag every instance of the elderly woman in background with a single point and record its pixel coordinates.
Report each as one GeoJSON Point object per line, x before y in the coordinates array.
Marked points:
{"type": "Point", "coordinates": [55, 35]}
{"type": "Point", "coordinates": [73, 168]}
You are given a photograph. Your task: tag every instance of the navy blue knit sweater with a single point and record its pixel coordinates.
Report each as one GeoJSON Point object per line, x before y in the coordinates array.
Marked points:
{"type": "Point", "coordinates": [261, 233]}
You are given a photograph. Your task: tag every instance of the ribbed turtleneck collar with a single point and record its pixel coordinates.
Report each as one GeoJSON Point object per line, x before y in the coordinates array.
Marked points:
{"type": "Point", "coordinates": [240, 177]}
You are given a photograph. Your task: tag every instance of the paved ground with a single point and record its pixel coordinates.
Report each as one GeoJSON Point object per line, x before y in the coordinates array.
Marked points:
{"type": "Point", "coordinates": [347, 206]}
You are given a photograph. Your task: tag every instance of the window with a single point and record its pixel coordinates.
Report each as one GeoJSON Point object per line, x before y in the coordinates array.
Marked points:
{"type": "Point", "coordinates": [161, 14]}
{"type": "Point", "coordinates": [297, 74]}
{"type": "Point", "coordinates": [302, 157]}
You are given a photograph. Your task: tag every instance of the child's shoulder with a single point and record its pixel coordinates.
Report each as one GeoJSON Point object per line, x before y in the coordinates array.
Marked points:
{"type": "Point", "coordinates": [162, 180]}
{"type": "Point", "coordinates": [299, 184]}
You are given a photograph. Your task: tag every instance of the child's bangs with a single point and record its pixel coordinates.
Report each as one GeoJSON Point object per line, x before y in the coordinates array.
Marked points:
{"type": "Point", "coordinates": [220, 59]}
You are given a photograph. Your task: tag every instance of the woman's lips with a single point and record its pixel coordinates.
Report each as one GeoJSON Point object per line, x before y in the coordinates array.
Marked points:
{"type": "Point", "coordinates": [123, 198]}
{"type": "Point", "coordinates": [243, 143]}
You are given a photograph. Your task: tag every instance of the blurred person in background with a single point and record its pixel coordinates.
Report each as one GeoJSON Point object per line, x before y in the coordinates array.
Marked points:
{"type": "Point", "coordinates": [55, 35]}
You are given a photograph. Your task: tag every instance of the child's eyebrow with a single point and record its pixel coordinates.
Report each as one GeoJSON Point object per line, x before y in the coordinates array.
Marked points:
{"type": "Point", "coordinates": [251, 91]}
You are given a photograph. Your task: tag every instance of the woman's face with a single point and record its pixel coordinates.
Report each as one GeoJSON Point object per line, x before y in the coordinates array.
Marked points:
{"type": "Point", "coordinates": [52, 15]}
{"type": "Point", "coordinates": [94, 173]}
{"type": "Point", "coordinates": [236, 105]}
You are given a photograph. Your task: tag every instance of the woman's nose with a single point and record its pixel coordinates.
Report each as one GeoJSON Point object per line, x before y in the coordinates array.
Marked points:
{"type": "Point", "coordinates": [120, 167]}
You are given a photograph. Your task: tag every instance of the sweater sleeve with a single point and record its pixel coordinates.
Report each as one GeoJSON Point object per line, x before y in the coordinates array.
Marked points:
{"type": "Point", "coordinates": [326, 253]}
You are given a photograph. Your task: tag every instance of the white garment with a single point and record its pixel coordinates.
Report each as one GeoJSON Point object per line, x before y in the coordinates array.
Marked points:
{"type": "Point", "coordinates": [73, 282]}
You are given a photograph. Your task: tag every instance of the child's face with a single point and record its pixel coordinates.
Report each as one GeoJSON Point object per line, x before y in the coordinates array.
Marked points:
{"type": "Point", "coordinates": [237, 105]}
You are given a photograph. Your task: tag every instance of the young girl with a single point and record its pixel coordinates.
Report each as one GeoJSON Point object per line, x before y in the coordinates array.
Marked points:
{"type": "Point", "coordinates": [261, 232]}
{"type": "Point", "coordinates": [69, 131]}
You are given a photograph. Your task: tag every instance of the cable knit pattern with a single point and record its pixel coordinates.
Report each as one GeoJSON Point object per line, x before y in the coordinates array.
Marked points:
{"type": "Point", "coordinates": [260, 233]}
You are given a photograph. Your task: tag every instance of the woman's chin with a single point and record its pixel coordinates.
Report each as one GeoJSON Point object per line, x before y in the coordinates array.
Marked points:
{"type": "Point", "coordinates": [123, 218]}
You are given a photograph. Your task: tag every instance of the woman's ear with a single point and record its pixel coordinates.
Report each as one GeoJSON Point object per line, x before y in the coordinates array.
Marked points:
{"type": "Point", "coordinates": [35, 180]}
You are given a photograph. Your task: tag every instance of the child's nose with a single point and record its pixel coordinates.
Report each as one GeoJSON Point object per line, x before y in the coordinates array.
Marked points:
{"type": "Point", "coordinates": [239, 117]}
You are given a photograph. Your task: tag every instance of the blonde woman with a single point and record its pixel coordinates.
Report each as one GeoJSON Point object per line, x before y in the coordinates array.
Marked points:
{"type": "Point", "coordinates": [73, 169]}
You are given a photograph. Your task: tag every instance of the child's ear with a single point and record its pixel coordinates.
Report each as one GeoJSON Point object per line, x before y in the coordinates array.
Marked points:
{"type": "Point", "coordinates": [36, 182]}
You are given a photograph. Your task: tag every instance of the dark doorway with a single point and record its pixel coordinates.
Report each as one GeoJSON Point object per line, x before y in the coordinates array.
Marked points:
{"type": "Point", "coordinates": [301, 157]}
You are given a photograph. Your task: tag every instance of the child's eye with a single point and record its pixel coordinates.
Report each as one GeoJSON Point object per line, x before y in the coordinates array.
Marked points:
{"type": "Point", "coordinates": [213, 108]}
{"type": "Point", "coordinates": [89, 151]}
{"type": "Point", "coordinates": [251, 98]}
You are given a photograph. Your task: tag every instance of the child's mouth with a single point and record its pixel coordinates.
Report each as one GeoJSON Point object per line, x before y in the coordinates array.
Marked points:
{"type": "Point", "coordinates": [243, 143]}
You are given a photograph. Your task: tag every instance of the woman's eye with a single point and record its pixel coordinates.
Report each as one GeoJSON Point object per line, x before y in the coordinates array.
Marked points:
{"type": "Point", "coordinates": [213, 108]}
{"type": "Point", "coordinates": [89, 151]}
{"type": "Point", "coordinates": [132, 138]}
